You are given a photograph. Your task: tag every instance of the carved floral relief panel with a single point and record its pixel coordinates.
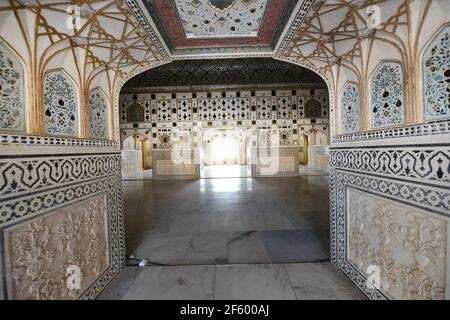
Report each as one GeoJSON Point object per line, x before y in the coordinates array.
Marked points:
{"type": "Point", "coordinates": [436, 77]}
{"type": "Point", "coordinates": [12, 91]}
{"type": "Point", "coordinates": [40, 251]}
{"type": "Point", "coordinates": [387, 96]}
{"type": "Point", "coordinates": [61, 104]}
{"type": "Point", "coordinates": [98, 114]}
{"type": "Point", "coordinates": [350, 116]}
{"type": "Point", "coordinates": [408, 244]}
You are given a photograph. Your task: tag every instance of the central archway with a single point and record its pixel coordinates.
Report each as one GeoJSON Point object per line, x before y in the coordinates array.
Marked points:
{"type": "Point", "coordinates": [185, 112]}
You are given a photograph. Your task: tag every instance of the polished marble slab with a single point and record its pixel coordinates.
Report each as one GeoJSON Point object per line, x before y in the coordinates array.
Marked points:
{"type": "Point", "coordinates": [321, 281]}
{"type": "Point", "coordinates": [173, 283]}
{"type": "Point", "coordinates": [253, 282]}
{"type": "Point", "coordinates": [294, 246]}
{"type": "Point", "coordinates": [225, 171]}
{"type": "Point", "coordinates": [168, 222]}
{"type": "Point", "coordinates": [247, 247]}
{"type": "Point", "coordinates": [302, 281]}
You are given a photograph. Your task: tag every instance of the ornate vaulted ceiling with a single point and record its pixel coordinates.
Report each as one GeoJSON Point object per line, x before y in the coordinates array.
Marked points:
{"type": "Point", "coordinates": [224, 72]}
{"type": "Point", "coordinates": [215, 26]}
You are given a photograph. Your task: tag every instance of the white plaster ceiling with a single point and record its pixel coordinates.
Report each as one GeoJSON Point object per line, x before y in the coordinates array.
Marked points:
{"type": "Point", "coordinates": [221, 18]}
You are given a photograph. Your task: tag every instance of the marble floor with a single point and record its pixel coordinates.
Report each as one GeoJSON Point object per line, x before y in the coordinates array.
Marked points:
{"type": "Point", "coordinates": [228, 221]}
{"type": "Point", "coordinates": [301, 281]}
{"type": "Point", "coordinates": [225, 171]}
{"type": "Point", "coordinates": [229, 238]}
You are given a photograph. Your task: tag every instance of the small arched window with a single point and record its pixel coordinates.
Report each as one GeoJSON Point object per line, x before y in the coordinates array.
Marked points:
{"type": "Point", "coordinates": [313, 109]}
{"type": "Point", "coordinates": [135, 113]}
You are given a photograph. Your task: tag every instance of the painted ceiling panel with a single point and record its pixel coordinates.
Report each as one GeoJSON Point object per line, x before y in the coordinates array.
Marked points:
{"type": "Point", "coordinates": [207, 24]}
{"type": "Point", "coordinates": [221, 18]}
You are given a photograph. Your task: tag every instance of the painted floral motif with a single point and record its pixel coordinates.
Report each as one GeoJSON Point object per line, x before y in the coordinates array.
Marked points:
{"type": "Point", "coordinates": [436, 77]}
{"type": "Point", "coordinates": [98, 114]}
{"type": "Point", "coordinates": [350, 108]}
{"type": "Point", "coordinates": [12, 88]}
{"type": "Point", "coordinates": [61, 104]}
{"type": "Point", "coordinates": [218, 18]}
{"type": "Point", "coordinates": [387, 97]}
{"type": "Point", "coordinates": [408, 246]}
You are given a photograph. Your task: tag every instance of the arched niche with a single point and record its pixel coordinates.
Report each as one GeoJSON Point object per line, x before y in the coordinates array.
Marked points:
{"type": "Point", "coordinates": [135, 113]}
{"type": "Point", "coordinates": [98, 114]}
{"type": "Point", "coordinates": [387, 98]}
{"type": "Point", "coordinates": [436, 77]}
{"type": "Point", "coordinates": [61, 104]}
{"type": "Point", "coordinates": [12, 91]}
{"type": "Point", "coordinates": [313, 109]}
{"type": "Point", "coordinates": [350, 120]}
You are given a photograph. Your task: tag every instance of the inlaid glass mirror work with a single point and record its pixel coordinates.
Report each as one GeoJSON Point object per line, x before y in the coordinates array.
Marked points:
{"type": "Point", "coordinates": [436, 77]}
{"type": "Point", "coordinates": [350, 108]}
{"type": "Point", "coordinates": [12, 91]}
{"type": "Point", "coordinates": [98, 114]}
{"type": "Point", "coordinates": [61, 104]}
{"type": "Point", "coordinates": [386, 95]}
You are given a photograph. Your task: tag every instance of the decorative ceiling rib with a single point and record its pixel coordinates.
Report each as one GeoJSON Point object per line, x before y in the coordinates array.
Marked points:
{"type": "Point", "coordinates": [332, 32]}
{"type": "Point", "coordinates": [110, 35]}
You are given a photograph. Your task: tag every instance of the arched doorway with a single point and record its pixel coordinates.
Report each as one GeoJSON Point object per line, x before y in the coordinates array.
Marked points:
{"type": "Point", "coordinates": [226, 124]}
{"type": "Point", "coordinates": [136, 157]}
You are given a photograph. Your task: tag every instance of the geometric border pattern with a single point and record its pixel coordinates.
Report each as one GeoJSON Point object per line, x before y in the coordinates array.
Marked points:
{"type": "Point", "coordinates": [54, 141]}
{"type": "Point", "coordinates": [29, 174]}
{"type": "Point", "coordinates": [412, 163]}
{"type": "Point", "coordinates": [431, 128]}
